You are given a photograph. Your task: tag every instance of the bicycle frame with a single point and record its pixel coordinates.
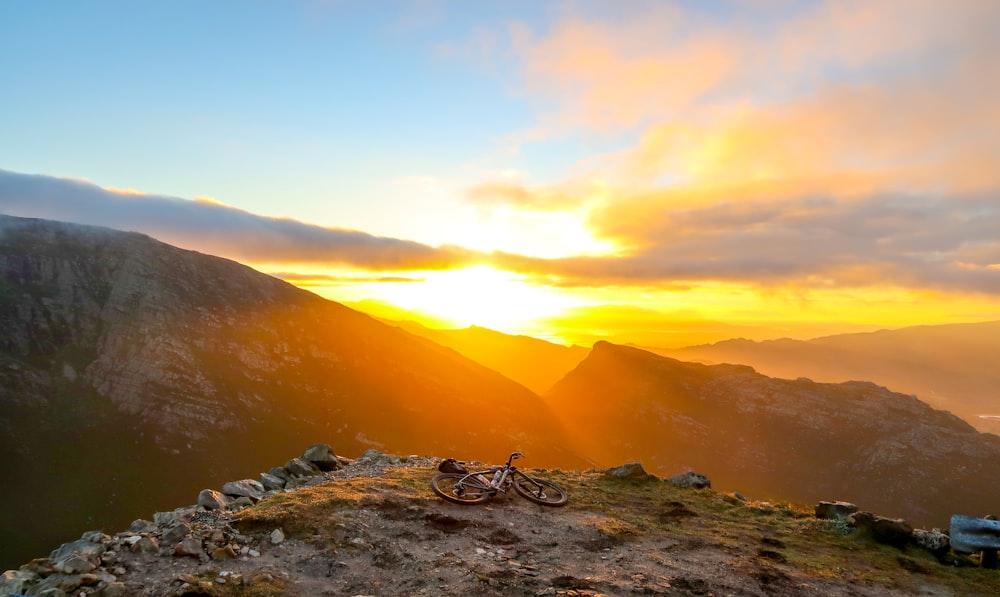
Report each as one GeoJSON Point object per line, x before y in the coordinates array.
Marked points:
{"type": "Point", "coordinates": [477, 480]}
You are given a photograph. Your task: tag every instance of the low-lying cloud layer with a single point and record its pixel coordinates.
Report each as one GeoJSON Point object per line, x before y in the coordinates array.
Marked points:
{"type": "Point", "coordinates": [214, 228]}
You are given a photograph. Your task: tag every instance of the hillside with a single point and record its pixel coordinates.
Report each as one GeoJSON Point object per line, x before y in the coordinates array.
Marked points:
{"type": "Point", "coordinates": [375, 528]}
{"type": "Point", "coordinates": [952, 367]}
{"type": "Point", "coordinates": [130, 364]}
{"type": "Point", "coordinates": [534, 363]}
{"type": "Point", "coordinates": [790, 439]}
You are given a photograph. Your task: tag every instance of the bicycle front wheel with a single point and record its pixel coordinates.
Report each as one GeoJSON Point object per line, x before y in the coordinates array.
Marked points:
{"type": "Point", "coordinates": [459, 489]}
{"type": "Point", "coordinates": [540, 491]}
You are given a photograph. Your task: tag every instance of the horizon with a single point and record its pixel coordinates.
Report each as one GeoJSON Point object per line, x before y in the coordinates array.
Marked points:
{"type": "Point", "coordinates": [672, 173]}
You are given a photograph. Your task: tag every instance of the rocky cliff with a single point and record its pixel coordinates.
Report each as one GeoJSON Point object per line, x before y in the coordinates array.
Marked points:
{"type": "Point", "coordinates": [126, 363]}
{"type": "Point", "coordinates": [793, 439]}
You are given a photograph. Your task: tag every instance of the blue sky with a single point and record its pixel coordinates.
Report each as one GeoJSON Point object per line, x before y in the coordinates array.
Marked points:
{"type": "Point", "coordinates": [821, 162]}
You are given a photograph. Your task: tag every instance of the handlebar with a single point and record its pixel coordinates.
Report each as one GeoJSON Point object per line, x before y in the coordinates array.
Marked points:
{"type": "Point", "coordinates": [513, 456]}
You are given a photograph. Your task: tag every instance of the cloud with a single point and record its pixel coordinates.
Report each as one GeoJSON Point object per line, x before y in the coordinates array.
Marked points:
{"type": "Point", "coordinates": [496, 194]}
{"type": "Point", "coordinates": [217, 229]}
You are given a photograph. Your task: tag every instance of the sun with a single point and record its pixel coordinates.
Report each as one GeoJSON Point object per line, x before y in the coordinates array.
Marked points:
{"type": "Point", "coordinates": [481, 296]}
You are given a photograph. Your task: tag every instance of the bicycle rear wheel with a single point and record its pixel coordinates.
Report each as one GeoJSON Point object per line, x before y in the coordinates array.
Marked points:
{"type": "Point", "coordinates": [459, 489]}
{"type": "Point", "coordinates": [540, 491]}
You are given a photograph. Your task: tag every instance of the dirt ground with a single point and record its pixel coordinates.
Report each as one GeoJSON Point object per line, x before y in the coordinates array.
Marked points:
{"type": "Point", "coordinates": [374, 536]}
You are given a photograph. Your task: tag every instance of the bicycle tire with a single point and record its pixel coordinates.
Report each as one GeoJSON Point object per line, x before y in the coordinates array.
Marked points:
{"type": "Point", "coordinates": [540, 491]}
{"type": "Point", "coordinates": [444, 485]}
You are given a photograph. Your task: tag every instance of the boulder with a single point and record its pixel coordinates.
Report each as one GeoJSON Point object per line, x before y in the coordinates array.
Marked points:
{"type": "Point", "coordinates": [175, 534]}
{"type": "Point", "coordinates": [297, 467]}
{"type": "Point", "coordinates": [210, 499]}
{"type": "Point", "coordinates": [141, 526]}
{"type": "Point", "coordinates": [892, 531]}
{"type": "Point", "coordinates": [189, 547]}
{"type": "Point", "coordinates": [277, 536]}
{"type": "Point", "coordinates": [75, 564]}
{"type": "Point", "coordinates": [631, 470]}
{"type": "Point", "coordinates": [145, 545]}
{"type": "Point", "coordinates": [14, 581]}
{"type": "Point", "coordinates": [84, 547]}
{"type": "Point", "coordinates": [322, 456]}
{"type": "Point", "coordinates": [249, 488]}
{"type": "Point", "coordinates": [690, 479]}
{"type": "Point", "coordinates": [934, 541]}
{"type": "Point", "coordinates": [835, 510]}
{"type": "Point", "coordinates": [272, 482]}
{"type": "Point", "coordinates": [279, 472]}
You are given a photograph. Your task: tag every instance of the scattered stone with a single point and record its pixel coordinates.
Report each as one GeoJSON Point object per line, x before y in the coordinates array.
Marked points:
{"type": "Point", "coordinates": [631, 470]}
{"type": "Point", "coordinates": [691, 479]}
{"type": "Point", "coordinates": [835, 510]}
{"type": "Point", "coordinates": [277, 536]}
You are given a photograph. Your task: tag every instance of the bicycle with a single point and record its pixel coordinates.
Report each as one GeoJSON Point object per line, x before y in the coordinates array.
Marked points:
{"type": "Point", "coordinates": [475, 487]}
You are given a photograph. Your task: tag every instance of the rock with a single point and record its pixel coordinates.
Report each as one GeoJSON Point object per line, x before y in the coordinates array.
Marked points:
{"type": "Point", "coordinates": [210, 499]}
{"type": "Point", "coordinates": [279, 472]}
{"type": "Point", "coordinates": [632, 470]}
{"type": "Point", "coordinates": [190, 547]}
{"type": "Point", "coordinates": [297, 467]}
{"type": "Point", "coordinates": [933, 541]}
{"type": "Point", "coordinates": [240, 503]}
{"type": "Point", "coordinates": [892, 531]}
{"type": "Point", "coordinates": [14, 581]}
{"type": "Point", "coordinates": [272, 482]}
{"type": "Point", "coordinates": [835, 510]}
{"type": "Point", "coordinates": [169, 519]}
{"type": "Point", "coordinates": [690, 479]}
{"type": "Point", "coordinates": [175, 534]}
{"type": "Point", "coordinates": [84, 547]}
{"type": "Point", "coordinates": [244, 488]}
{"type": "Point", "coordinates": [277, 536]}
{"type": "Point", "coordinates": [112, 589]}
{"type": "Point", "coordinates": [224, 553]}
{"type": "Point", "coordinates": [142, 526]}
{"type": "Point", "coordinates": [75, 564]}
{"type": "Point", "coordinates": [145, 545]}
{"type": "Point", "coordinates": [322, 456]}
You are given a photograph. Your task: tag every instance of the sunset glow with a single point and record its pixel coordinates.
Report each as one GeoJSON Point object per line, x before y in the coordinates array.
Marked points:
{"type": "Point", "coordinates": [660, 173]}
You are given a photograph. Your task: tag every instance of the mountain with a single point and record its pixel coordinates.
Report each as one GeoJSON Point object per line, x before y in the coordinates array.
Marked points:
{"type": "Point", "coordinates": [790, 439]}
{"type": "Point", "coordinates": [126, 364]}
{"type": "Point", "coordinates": [534, 363]}
{"type": "Point", "coordinates": [954, 367]}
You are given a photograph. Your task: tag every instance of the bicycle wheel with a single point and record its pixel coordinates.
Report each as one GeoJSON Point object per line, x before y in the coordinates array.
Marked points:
{"type": "Point", "coordinates": [459, 489]}
{"type": "Point", "coordinates": [540, 491]}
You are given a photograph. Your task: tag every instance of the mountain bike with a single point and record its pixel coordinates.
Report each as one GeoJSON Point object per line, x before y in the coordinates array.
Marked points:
{"type": "Point", "coordinates": [461, 486]}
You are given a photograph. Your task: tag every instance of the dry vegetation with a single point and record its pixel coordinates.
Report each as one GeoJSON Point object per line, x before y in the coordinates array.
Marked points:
{"type": "Point", "coordinates": [390, 536]}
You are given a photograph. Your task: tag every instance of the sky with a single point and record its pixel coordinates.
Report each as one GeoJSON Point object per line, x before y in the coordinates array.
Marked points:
{"type": "Point", "coordinates": [664, 173]}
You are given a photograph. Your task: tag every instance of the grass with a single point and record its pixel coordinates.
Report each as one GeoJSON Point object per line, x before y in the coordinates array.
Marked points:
{"type": "Point", "coordinates": [623, 511]}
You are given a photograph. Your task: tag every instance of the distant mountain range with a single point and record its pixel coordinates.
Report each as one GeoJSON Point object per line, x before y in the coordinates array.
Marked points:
{"type": "Point", "coordinates": [953, 367]}
{"type": "Point", "coordinates": [126, 364]}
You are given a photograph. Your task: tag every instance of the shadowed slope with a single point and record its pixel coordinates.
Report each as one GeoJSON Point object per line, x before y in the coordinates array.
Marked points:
{"type": "Point", "coordinates": [132, 371]}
